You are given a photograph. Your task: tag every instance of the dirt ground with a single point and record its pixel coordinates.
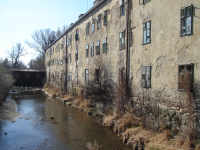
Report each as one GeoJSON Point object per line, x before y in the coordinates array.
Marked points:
{"type": "Point", "coordinates": [8, 111]}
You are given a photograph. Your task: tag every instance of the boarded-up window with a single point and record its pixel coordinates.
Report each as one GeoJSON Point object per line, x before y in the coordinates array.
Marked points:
{"type": "Point", "coordinates": [185, 77]}
{"type": "Point", "coordinates": [96, 74]}
{"type": "Point", "coordinates": [122, 74]}
{"type": "Point", "coordinates": [146, 76]}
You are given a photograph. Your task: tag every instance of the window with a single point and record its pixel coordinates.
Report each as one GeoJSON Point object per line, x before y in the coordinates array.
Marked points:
{"type": "Point", "coordinates": [76, 78]}
{"type": "Point", "coordinates": [105, 17]}
{"type": "Point", "coordinates": [185, 77]}
{"type": "Point", "coordinates": [98, 48]}
{"type": "Point", "coordinates": [68, 41]}
{"type": "Point", "coordinates": [186, 21]}
{"type": "Point", "coordinates": [122, 40]}
{"type": "Point", "coordinates": [92, 49]}
{"type": "Point", "coordinates": [70, 77]}
{"type": "Point", "coordinates": [65, 42]}
{"type": "Point", "coordinates": [122, 74]}
{"type": "Point", "coordinates": [146, 76]}
{"type": "Point", "coordinates": [122, 7]}
{"type": "Point", "coordinates": [61, 45]}
{"type": "Point", "coordinates": [61, 61]}
{"type": "Point", "coordinates": [96, 74]}
{"type": "Point", "coordinates": [147, 32]}
{"type": "Point", "coordinates": [69, 58]}
{"type": "Point", "coordinates": [93, 23]}
{"type": "Point", "coordinates": [105, 45]}
{"type": "Point", "coordinates": [98, 21]}
{"type": "Point", "coordinates": [144, 1]}
{"type": "Point", "coordinates": [87, 51]}
{"type": "Point", "coordinates": [86, 75]}
{"type": "Point", "coordinates": [76, 55]}
{"type": "Point", "coordinates": [87, 28]}
{"type": "Point", "coordinates": [76, 35]}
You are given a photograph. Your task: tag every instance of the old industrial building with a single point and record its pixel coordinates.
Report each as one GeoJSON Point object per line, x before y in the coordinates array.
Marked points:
{"type": "Point", "coordinates": [154, 42]}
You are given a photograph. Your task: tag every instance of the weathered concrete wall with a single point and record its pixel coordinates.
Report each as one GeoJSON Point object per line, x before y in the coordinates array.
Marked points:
{"type": "Point", "coordinates": [167, 49]}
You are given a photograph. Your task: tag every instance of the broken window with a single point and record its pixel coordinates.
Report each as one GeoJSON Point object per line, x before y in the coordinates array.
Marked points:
{"type": "Point", "coordinates": [87, 28]}
{"type": "Point", "coordinates": [105, 17]}
{"type": "Point", "coordinates": [122, 75]}
{"type": "Point", "coordinates": [76, 55]}
{"type": "Point", "coordinates": [92, 26]}
{"type": "Point", "coordinates": [76, 78]}
{"type": "Point", "coordinates": [185, 77]}
{"type": "Point", "coordinates": [105, 45]}
{"type": "Point", "coordinates": [69, 58]}
{"type": "Point", "coordinates": [98, 21]}
{"type": "Point", "coordinates": [146, 76]}
{"type": "Point", "coordinates": [98, 48]}
{"type": "Point", "coordinates": [86, 75]}
{"type": "Point", "coordinates": [96, 74]}
{"type": "Point", "coordinates": [186, 21]}
{"type": "Point", "coordinates": [122, 40]}
{"type": "Point", "coordinates": [76, 36]}
{"type": "Point", "coordinates": [147, 32]}
{"type": "Point", "coordinates": [92, 49]}
{"type": "Point", "coordinates": [144, 1]}
{"type": "Point", "coordinates": [122, 7]}
{"type": "Point", "coordinates": [87, 51]}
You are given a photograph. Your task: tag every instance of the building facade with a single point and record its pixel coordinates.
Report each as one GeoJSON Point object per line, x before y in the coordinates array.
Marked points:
{"type": "Point", "coordinates": [155, 43]}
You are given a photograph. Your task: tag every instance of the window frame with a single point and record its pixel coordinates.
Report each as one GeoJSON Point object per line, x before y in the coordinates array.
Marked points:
{"type": "Point", "coordinates": [86, 75]}
{"type": "Point", "coordinates": [87, 51]}
{"type": "Point", "coordinates": [105, 44]}
{"type": "Point", "coordinates": [97, 75]}
{"type": "Point", "coordinates": [122, 7]}
{"type": "Point", "coordinates": [88, 28]}
{"type": "Point", "coordinates": [146, 77]}
{"type": "Point", "coordinates": [98, 21]}
{"type": "Point", "coordinates": [98, 48]}
{"type": "Point", "coordinates": [146, 29]}
{"type": "Point", "coordinates": [92, 49]}
{"type": "Point", "coordinates": [76, 55]}
{"type": "Point", "coordinates": [122, 39]}
{"type": "Point", "coordinates": [93, 25]}
{"type": "Point", "coordinates": [105, 17]}
{"type": "Point", "coordinates": [183, 18]}
{"type": "Point", "coordinates": [144, 1]}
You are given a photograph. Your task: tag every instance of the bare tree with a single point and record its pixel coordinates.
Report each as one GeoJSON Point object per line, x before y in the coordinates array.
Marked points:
{"type": "Point", "coordinates": [41, 39]}
{"type": "Point", "coordinates": [100, 86]}
{"type": "Point", "coordinates": [37, 63]}
{"type": "Point", "coordinates": [16, 53]}
{"type": "Point", "coordinates": [58, 32]}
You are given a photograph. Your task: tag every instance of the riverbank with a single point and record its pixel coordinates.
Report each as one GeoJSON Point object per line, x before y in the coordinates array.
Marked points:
{"type": "Point", "coordinates": [129, 127]}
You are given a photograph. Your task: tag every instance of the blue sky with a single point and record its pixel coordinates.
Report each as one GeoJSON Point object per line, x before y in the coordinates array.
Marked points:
{"type": "Point", "coordinates": [20, 18]}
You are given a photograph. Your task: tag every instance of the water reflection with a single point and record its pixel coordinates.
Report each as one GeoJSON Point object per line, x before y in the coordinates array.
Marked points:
{"type": "Point", "coordinates": [72, 129]}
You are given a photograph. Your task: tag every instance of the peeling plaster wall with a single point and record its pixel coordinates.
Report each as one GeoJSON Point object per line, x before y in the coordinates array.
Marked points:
{"type": "Point", "coordinates": [167, 49]}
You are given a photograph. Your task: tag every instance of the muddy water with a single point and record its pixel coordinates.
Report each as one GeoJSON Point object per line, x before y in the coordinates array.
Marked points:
{"type": "Point", "coordinates": [72, 130]}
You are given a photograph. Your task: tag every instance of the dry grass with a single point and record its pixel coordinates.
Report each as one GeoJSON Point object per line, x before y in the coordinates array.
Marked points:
{"type": "Point", "coordinates": [108, 121]}
{"type": "Point", "coordinates": [94, 146]}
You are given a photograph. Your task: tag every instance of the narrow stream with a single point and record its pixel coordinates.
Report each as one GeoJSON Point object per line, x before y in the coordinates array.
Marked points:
{"type": "Point", "coordinates": [71, 130]}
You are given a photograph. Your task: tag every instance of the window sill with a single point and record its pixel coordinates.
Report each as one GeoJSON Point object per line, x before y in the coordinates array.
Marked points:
{"type": "Point", "coordinates": [186, 35]}
{"type": "Point", "coordinates": [146, 43]}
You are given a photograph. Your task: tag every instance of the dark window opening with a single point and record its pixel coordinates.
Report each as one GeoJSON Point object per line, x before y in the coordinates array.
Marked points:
{"type": "Point", "coordinates": [146, 76]}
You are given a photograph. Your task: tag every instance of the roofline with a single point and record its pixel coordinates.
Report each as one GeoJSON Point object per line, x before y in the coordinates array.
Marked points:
{"type": "Point", "coordinates": [91, 9]}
